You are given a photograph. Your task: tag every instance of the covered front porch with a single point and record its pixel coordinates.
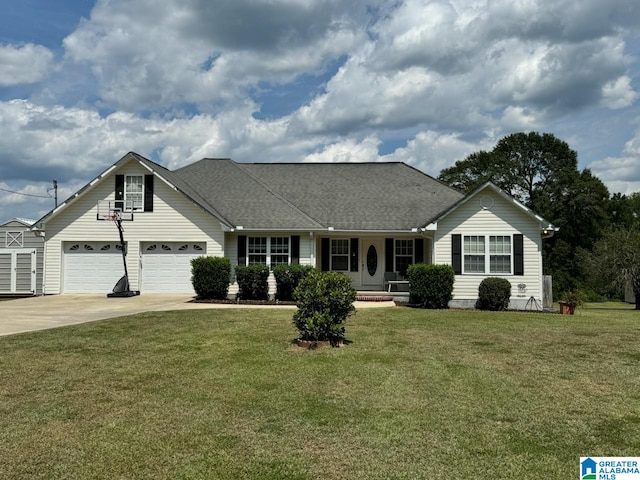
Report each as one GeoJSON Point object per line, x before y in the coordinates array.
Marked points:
{"type": "Point", "coordinates": [376, 263]}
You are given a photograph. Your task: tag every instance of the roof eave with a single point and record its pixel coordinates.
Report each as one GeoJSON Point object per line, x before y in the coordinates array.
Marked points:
{"type": "Point", "coordinates": [544, 224]}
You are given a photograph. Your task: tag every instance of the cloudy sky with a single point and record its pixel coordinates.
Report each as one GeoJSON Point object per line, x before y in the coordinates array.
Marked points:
{"type": "Point", "coordinates": [425, 82]}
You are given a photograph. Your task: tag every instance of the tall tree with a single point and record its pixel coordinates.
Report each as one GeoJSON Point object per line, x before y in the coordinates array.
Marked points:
{"type": "Point", "coordinates": [616, 260]}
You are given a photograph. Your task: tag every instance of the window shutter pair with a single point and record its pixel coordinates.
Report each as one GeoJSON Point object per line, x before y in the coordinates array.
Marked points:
{"type": "Point", "coordinates": [325, 254]}
{"type": "Point", "coordinates": [148, 192]}
{"type": "Point", "coordinates": [518, 253]}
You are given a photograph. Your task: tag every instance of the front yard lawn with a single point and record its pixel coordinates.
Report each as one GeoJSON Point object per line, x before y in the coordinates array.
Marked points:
{"type": "Point", "coordinates": [417, 394]}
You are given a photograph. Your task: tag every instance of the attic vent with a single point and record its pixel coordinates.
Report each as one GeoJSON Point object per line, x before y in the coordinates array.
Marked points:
{"type": "Point", "coordinates": [88, 247]}
{"type": "Point", "coordinates": [486, 202]}
{"type": "Point", "coordinates": [14, 239]}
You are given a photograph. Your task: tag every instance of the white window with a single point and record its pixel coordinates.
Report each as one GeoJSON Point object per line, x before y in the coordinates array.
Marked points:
{"type": "Point", "coordinates": [279, 251]}
{"type": "Point", "coordinates": [494, 259]}
{"type": "Point", "coordinates": [474, 253]}
{"type": "Point", "coordinates": [270, 251]}
{"type": "Point", "coordinates": [257, 250]}
{"type": "Point", "coordinates": [340, 254]}
{"type": "Point", "coordinates": [403, 255]}
{"type": "Point", "coordinates": [499, 254]}
{"type": "Point", "coordinates": [134, 191]}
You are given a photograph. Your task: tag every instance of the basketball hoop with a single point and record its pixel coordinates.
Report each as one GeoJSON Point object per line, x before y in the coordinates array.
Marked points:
{"type": "Point", "coordinates": [112, 211]}
{"type": "Point", "coordinates": [113, 215]}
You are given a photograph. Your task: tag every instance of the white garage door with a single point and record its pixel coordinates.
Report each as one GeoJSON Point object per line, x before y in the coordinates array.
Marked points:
{"type": "Point", "coordinates": [166, 267]}
{"type": "Point", "coordinates": [92, 267]}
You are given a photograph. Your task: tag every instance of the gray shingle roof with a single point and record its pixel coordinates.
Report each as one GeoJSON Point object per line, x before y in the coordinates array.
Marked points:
{"type": "Point", "coordinates": [345, 196]}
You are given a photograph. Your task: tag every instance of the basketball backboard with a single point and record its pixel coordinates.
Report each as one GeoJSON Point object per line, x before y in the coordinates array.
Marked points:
{"type": "Point", "coordinates": [112, 210]}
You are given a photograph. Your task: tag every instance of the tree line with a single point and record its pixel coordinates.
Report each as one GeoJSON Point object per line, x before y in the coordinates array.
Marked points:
{"type": "Point", "coordinates": [597, 246]}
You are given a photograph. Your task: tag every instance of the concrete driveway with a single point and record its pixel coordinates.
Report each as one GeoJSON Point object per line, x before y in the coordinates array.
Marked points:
{"type": "Point", "coordinates": [51, 311]}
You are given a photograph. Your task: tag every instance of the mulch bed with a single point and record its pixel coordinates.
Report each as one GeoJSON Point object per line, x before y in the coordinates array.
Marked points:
{"type": "Point", "coordinates": [242, 302]}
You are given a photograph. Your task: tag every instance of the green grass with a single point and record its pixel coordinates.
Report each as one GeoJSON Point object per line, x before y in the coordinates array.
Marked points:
{"type": "Point", "coordinates": [417, 394]}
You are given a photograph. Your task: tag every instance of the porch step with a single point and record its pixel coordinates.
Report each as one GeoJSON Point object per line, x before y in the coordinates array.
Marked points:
{"type": "Point", "coordinates": [374, 298]}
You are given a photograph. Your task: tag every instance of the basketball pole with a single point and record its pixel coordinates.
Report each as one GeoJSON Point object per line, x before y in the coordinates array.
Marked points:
{"type": "Point", "coordinates": [122, 287]}
{"type": "Point", "coordinates": [123, 249]}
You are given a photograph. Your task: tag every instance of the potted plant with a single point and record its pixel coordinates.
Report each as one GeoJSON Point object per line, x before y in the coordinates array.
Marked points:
{"type": "Point", "coordinates": [569, 300]}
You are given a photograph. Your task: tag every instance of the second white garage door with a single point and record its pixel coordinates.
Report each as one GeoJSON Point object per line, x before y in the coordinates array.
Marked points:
{"type": "Point", "coordinates": [166, 267]}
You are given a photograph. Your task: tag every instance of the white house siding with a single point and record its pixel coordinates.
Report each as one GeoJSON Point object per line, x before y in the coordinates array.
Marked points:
{"type": "Point", "coordinates": [174, 219]}
{"type": "Point", "coordinates": [501, 217]}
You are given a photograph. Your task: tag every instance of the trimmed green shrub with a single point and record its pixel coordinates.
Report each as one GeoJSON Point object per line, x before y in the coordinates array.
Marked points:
{"type": "Point", "coordinates": [210, 277]}
{"type": "Point", "coordinates": [325, 300]}
{"type": "Point", "coordinates": [494, 294]}
{"type": "Point", "coordinates": [431, 286]}
{"type": "Point", "coordinates": [287, 279]}
{"type": "Point", "coordinates": [253, 282]}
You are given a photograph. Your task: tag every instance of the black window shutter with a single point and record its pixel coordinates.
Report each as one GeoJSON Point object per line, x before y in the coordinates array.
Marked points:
{"type": "Point", "coordinates": [324, 259]}
{"type": "Point", "coordinates": [354, 255]}
{"type": "Point", "coordinates": [148, 193]}
{"type": "Point", "coordinates": [295, 249]}
{"type": "Point", "coordinates": [456, 253]}
{"type": "Point", "coordinates": [419, 247]}
{"type": "Point", "coordinates": [242, 249]}
{"type": "Point", "coordinates": [388, 254]}
{"type": "Point", "coordinates": [120, 192]}
{"type": "Point", "coordinates": [518, 254]}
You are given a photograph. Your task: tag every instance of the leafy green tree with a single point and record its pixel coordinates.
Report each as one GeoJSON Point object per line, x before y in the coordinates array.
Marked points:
{"type": "Point", "coordinates": [475, 170]}
{"type": "Point", "coordinates": [615, 260]}
{"type": "Point", "coordinates": [525, 165]}
{"type": "Point", "coordinates": [624, 211]}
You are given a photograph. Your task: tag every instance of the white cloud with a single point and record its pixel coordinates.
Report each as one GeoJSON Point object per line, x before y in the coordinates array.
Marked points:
{"type": "Point", "coordinates": [348, 150]}
{"type": "Point", "coordinates": [431, 151]}
{"type": "Point", "coordinates": [24, 64]}
{"type": "Point", "coordinates": [200, 52]}
{"type": "Point", "coordinates": [455, 66]}
{"type": "Point", "coordinates": [621, 174]}
{"type": "Point", "coordinates": [618, 93]}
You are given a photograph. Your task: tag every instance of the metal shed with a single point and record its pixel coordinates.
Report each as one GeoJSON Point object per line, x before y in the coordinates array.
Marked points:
{"type": "Point", "coordinates": [21, 258]}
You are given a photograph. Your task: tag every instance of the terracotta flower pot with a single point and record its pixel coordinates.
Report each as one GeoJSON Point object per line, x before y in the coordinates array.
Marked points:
{"type": "Point", "coordinates": [566, 308]}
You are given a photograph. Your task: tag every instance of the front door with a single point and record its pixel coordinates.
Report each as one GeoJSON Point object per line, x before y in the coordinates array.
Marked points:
{"type": "Point", "coordinates": [372, 263]}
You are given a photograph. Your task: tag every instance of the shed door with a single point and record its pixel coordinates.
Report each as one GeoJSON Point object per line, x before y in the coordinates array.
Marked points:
{"type": "Point", "coordinates": [166, 266]}
{"type": "Point", "coordinates": [92, 267]}
{"type": "Point", "coordinates": [18, 271]}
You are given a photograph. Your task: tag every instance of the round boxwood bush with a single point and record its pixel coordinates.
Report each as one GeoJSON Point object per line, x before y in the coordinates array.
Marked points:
{"type": "Point", "coordinates": [287, 279]}
{"type": "Point", "coordinates": [431, 286]}
{"type": "Point", "coordinates": [210, 277]}
{"type": "Point", "coordinates": [253, 282]}
{"type": "Point", "coordinates": [494, 294]}
{"type": "Point", "coordinates": [324, 300]}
